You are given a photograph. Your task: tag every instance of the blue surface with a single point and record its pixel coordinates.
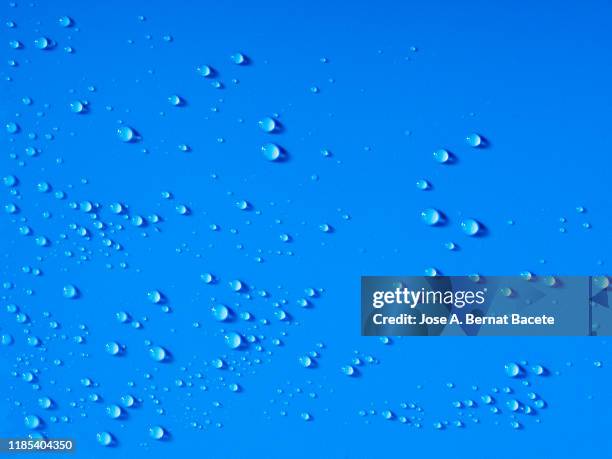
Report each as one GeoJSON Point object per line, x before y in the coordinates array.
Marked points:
{"type": "Point", "coordinates": [399, 82]}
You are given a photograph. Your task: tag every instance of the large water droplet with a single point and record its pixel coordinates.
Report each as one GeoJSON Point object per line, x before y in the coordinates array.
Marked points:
{"type": "Point", "coordinates": [70, 291]}
{"type": "Point", "coordinates": [512, 369]}
{"type": "Point", "coordinates": [220, 312]}
{"type": "Point", "coordinates": [157, 353]}
{"type": "Point", "coordinates": [233, 340]}
{"type": "Point", "coordinates": [470, 226]}
{"type": "Point", "coordinates": [267, 124]}
{"type": "Point", "coordinates": [31, 421]}
{"type": "Point", "coordinates": [473, 140]}
{"type": "Point", "coordinates": [238, 58]}
{"type": "Point", "coordinates": [125, 133]}
{"type": "Point", "coordinates": [431, 216]}
{"type": "Point", "coordinates": [157, 432]}
{"type": "Point", "coordinates": [441, 155]}
{"type": "Point", "coordinates": [104, 438]}
{"type": "Point", "coordinates": [271, 152]}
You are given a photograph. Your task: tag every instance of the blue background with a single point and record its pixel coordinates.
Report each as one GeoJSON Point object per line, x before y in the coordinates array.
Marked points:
{"type": "Point", "coordinates": [531, 77]}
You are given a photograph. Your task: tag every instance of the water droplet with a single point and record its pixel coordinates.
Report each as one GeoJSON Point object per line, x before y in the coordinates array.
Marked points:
{"type": "Point", "coordinates": [431, 216]}
{"type": "Point", "coordinates": [155, 296]}
{"type": "Point", "coordinates": [470, 226]}
{"type": "Point", "coordinates": [157, 432]}
{"type": "Point", "coordinates": [9, 180]}
{"type": "Point", "coordinates": [65, 21]}
{"type": "Point", "coordinates": [128, 401]}
{"type": "Point", "coordinates": [474, 140]}
{"type": "Point", "coordinates": [243, 205]}
{"type": "Point", "coordinates": [267, 124]}
{"type": "Point", "coordinates": [157, 353]}
{"type": "Point", "coordinates": [513, 405]}
{"type": "Point", "coordinates": [512, 369]}
{"type": "Point", "coordinates": [441, 155]}
{"type": "Point", "coordinates": [70, 291]}
{"type": "Point", "coordinates": [77, 106]}
{"type": "Point", "coordinates": [205, 70]}
{"type": "Point", "coordinates": [113, 411]}
{"type": "Point", "coordinates": [238, 58]}
{"type": "Point", "coordinates": [182, 209]}
{"type": "Point", "coordinates": [104, 438]}
{"type": "Point", "coordinates": [422, 184]}
{"type": "Point", "coordinates": [233, 340]}
{"type": "Point", "coordinates": [42, 43]}
{"type": "Point", "coordinates": [175, 100]}
{"type": "Point", "coordinates": [112, 348]}
{"type": "Point", "coordinates": [348, 370]}
{"type": "Point", "coordinates": [31, 421]}
{"type": "Point", "coordinates": [45, 403]}
{"type": "Point", "coordinates": [220, 312]}
{"type": "Point", "coordinates": [271, 152]}
{"type": "Point", "coordinates": [11, 127]}
{"type": "Point", "coordinates": [236, 285]}
{"type": "Point", "coordinates": [125, 133]}
{"type": "Point", "coordinates": [305, 361]}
